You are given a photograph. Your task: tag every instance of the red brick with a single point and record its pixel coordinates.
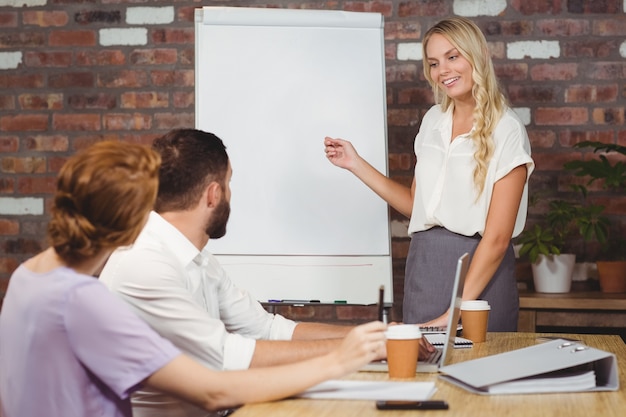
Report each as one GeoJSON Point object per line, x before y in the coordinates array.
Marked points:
{"type": "Point", "coordinates": [415, 95]}
{"type": "Point", "coordinates": [610, 116]}
{"type": "Point", "coordinates": [403, 117]}
{"type": "Point", "coordinates": [609, 27]}
{"type": "Point", "coordinates": [7, 185]}
{"type": "Point", "coordinates": [173, 36]}
{"type": "Point", "coordinates": [45, 18]}
{"type": "Point", "coordinates": [21, 81]}
{"type": "Point", "coordinates": [185, 14]}
{"type": "Point", "coordinates": [606, 70]}
{"type": "Point", "coordinates": [182, 100]}
{"type": "Point", "coordinates": [390, 51]}
{"type": "Point", "coordinates": [403, 30]}
{"type": "Point", "coordinates": [76, 121]}
{"type": "Point", "coordinates": [569, 138]}
{"type": "Point", "coordinates": [167, 121]}
{"type": "Point", "coordinates": [101, 57]}
{"type": "Point", "coordinates": [552, 161]}
{"type": "Point", "coordinates": [508, 28]}
{"type": "Point", "coordinates": [47, 143]}
{"type": "Point", "coordinates": [383, 7]}
{"type": "Point", "coordinates": [24, 122]}
{"type": "Point", "coordinates": [590, 48]}
{"type": "Point", "coordinates": [8, 19]}
{"type": "Point", "coordinates": [549, 72]}
{"type": "Point", "coordinates": [531, 93]}
{"type": "Point", "coordinates": [72, 38]}
{"type": "Point", "coordinates": [123, 78]}
{"type": "Point", "coordinates": [561, 116]}
{"type": "Point", "coordinates": [9, 227]}
{"type": "Point", "coordinates": [142, 100]}
{"type": "Point", "coordinates": [136, 121]}
{"type": "Point", "coordinates": [7, 266]}
{"type": "Point", "coordinates": [153, 56]}
{"type": "Point", "coordinates": [9, 144]}
{"type": "Point", "coordinates": [511, 72]}
{"type": "Point", "coordinates": [22, 246]}
{"type": "Point", "coordinates": [71, 79]}
{"type": "Point", "coordinates": [594, 6]}
{"type": "Point", "coordinates": [47, 59]}
{"type": "Point", "coordinates": [27, 165]}
{"type": "Point", "coordinates": [589, 93]}
{"type": "Point", "coordinates": [101, 101]}
{"type": "Point", "coordinates": [423, 8]}
{"type": "Point", "coordinates": [186, 56]}
{"type": "Point", "coordinates": [563, 27]}
{"type": "Point", "coordinates": [53, 101]}
{"type": "Point", "coordinates": [497, 50]}
{"type": "Point", "coordinates": [36, 185]}
{"type": "Point", "coordinates": [541, 138]}
{"type": "Point", "coordinates": [529, 7]}
{"type": "Point", "coordinates": [402, 72]}
{"type": "Point", "coordinates": [7, 102]}
{"type": "Point", "coordinates": [179, 78]}
{"type": "Point", "coordinates": [22, 39]}
{"type": "Point", "coordinates": [401, 161]}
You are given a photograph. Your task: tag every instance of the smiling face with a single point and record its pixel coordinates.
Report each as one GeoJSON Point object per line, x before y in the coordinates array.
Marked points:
{"type": "Point", "coordinates": [449, 69]}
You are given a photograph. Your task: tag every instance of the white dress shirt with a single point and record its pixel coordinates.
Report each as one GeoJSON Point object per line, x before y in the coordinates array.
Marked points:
{"type": "Point", "coordinates": [445, 194]}
{"type": "Point", "coordinates": [187, 297]}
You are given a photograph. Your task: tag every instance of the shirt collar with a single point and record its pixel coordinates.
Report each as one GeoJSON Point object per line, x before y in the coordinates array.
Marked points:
{"type": "Point", "coordinates": [175, 241]}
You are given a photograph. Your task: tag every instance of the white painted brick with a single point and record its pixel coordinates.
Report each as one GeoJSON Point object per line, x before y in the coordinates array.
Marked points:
{"type": "Point", "coordinates": [622, 47]}
{"type": "Point", "coordinates": [149, 15]}
{"type": "Point", "coordinates": [10, 60]}
{"type": "Point", "coordinates": [20, 206]}
{"type": "Point", "coordinates": [533, 49]}
{"type": "Point", "coordinates": [479, 7]}
{"type": "Point", "coordinates": [22, 3]}
{"type": "Point", "coordinates": [399, 229]}
{"type": "Point", "coordinates": [409, 51]}
{"type": "Point", "coordinates": [524, 114]}
{"type": "Point", "coordinates": [128, 36]}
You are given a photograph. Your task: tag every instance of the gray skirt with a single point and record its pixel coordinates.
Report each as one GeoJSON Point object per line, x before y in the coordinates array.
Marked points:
{"type": "Point", "coordinates": [430, 268]}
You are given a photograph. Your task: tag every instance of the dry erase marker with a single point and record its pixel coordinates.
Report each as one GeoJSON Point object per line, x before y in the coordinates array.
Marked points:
{"type": "Point", "coordinates": [412, 405]}
{"type": "Point", "coordinates": [381, 303]}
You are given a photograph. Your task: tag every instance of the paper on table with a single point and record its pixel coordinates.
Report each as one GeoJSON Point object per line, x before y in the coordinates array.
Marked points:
{"type": "Point", "coordinates": [371, 390]}
{"type": "Point", "coordinates": [557, 382]}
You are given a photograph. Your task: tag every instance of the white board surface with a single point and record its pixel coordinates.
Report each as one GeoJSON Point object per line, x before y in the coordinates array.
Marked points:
{"type": "Point", "coordinates": [272, 83]}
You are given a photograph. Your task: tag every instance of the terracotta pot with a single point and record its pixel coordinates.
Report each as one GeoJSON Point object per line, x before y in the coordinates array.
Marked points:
{"type": "Point", "coordinates": [612, 276]}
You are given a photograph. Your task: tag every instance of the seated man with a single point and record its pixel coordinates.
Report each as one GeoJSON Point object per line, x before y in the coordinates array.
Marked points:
{"type": "Point", "coordinates": [172, 281]}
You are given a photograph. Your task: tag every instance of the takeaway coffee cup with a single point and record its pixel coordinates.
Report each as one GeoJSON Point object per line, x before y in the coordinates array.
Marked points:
{"type": "Point", "coordinates": [475, 316]}
{"type": "Point", "coordinates": [403, 342]}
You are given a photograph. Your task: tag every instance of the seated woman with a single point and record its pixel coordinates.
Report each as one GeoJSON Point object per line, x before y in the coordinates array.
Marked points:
{"type": "Point", "coordinates": [68, 347]}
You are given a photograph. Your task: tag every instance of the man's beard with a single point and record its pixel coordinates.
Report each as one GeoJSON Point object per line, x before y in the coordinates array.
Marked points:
{"type": "Point", "coordinates": [216, 227]}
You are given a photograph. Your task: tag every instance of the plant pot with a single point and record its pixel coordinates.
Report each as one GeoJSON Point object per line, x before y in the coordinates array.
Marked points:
{"type": "Point", "coordinates": [612, 276]}
{"type": "Point", "coordinates": [553, 273]}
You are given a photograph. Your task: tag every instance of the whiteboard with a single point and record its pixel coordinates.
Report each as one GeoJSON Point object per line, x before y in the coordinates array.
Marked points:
{"type": "Point", "coordinates": [272, 83]}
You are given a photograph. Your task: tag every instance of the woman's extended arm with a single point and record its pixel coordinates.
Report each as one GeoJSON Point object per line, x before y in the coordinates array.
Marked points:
{"type": "Point", "coordinates": [342, 154]}
{"type": "Point", "coordinates": [214, 390]}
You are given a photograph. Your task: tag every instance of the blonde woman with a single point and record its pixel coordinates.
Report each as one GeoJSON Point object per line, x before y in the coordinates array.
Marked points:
{"type": "Point", "coordinates": [70, 348]}
{"type": "Point", "coordinates": [469, 192]}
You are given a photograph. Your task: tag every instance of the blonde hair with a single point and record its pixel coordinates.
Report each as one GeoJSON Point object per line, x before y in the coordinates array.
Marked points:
{"type": "Point", "coordinates": [103, 196]}
{"type": "Point", "coordinates": [490, 101]}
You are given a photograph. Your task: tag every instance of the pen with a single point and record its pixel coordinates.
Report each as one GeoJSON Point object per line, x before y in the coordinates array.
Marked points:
{"type": "Point", "coordinates": [300, 301]}
{"type": "Point", "coordinates": [381, 303]}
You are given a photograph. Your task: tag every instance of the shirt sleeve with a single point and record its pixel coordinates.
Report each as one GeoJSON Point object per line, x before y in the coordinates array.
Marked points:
{"type": "Point", "coordinates": [111, 341]}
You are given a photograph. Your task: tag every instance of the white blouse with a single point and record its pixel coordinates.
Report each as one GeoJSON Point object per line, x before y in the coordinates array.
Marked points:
{"type": "Point", "coordinates": [445, 194]}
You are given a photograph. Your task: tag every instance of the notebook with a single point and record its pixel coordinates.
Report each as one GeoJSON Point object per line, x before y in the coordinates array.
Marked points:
{"type": "Point", "coordinates": [441, 356]}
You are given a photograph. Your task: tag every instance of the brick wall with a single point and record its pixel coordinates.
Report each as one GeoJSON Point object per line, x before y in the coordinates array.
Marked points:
{"type": "Point", "coordinates": [76, 72]}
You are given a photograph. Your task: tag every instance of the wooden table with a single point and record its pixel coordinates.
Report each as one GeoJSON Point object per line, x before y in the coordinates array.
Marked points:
{"type": "Point", "coordinates": [463, 403]}
{"type": "Point", "coordinates": [572, 309]}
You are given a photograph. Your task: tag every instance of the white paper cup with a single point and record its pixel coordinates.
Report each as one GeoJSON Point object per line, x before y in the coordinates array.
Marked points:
{"type": "Point", "coordinates": [403, 342]}
{"type": "Point", "coordinates": [475, 317]}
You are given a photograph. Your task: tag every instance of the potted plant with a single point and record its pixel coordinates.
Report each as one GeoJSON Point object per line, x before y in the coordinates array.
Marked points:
{"type": "Point", "coordinates": [544, 243]}
{"type": "Point", "coordinates": [611, 260]}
